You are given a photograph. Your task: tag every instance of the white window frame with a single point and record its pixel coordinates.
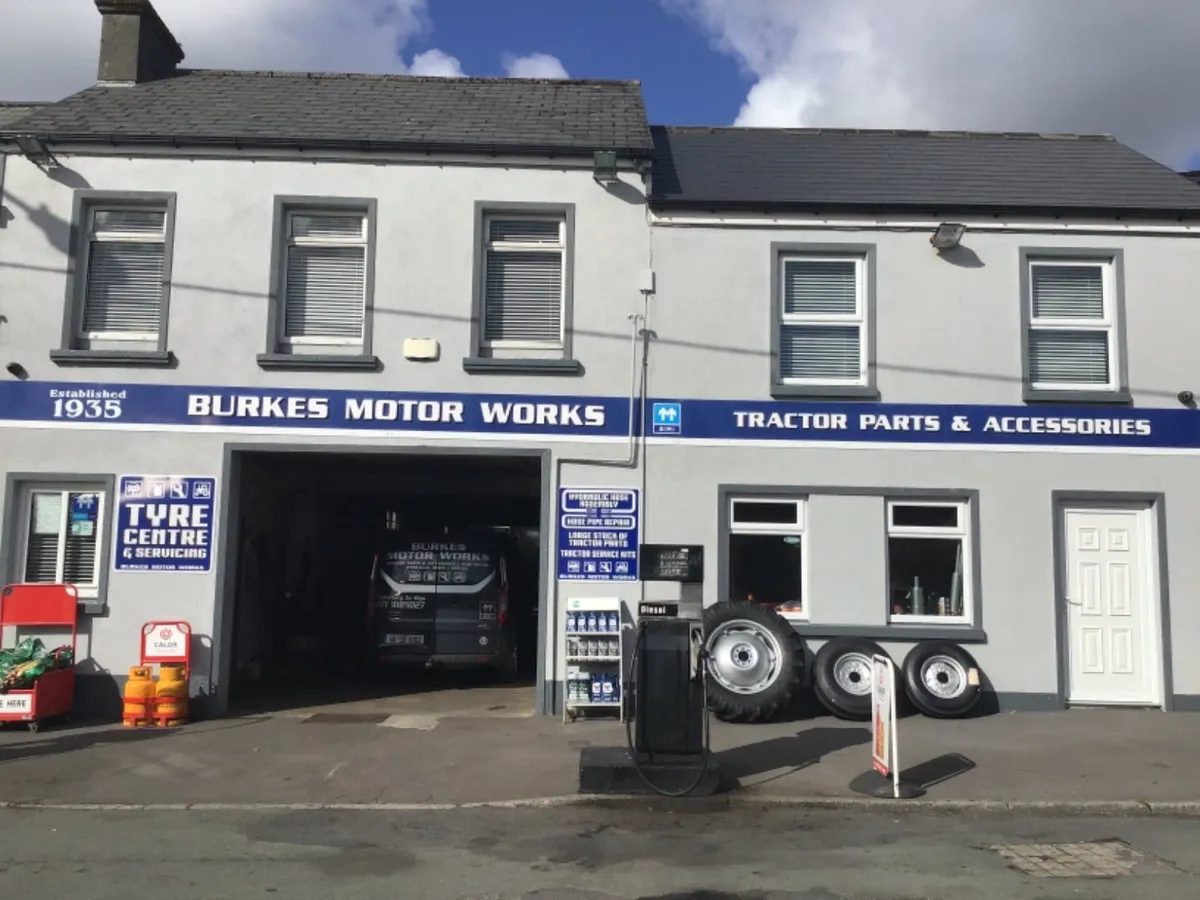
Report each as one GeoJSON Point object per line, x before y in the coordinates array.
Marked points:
{"type": "Point", "coordinates": [859, 317]}
{"type": "Point", "coordinates": [289, 241]}
{"type": "Point", "coordinates": [26, 495]}
{"type": "Point", "coordinates": [125, 237]}
{"type": "Point", "coordinates": [769, 529]}
{"type": "Point", "coordinates": [962, 532]}
{"type": "Point", "coordinates": [1108, 324]}
{"type": "Point", "coordinates": [490, 246]}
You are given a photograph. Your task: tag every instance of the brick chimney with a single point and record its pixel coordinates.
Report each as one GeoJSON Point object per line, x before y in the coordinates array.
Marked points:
{"type": "Point", "coordinates": [135, 45]}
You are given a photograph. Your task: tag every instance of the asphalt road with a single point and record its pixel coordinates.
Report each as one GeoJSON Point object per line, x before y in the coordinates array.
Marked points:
{"type": "Point", "coordinates": [682, 852]}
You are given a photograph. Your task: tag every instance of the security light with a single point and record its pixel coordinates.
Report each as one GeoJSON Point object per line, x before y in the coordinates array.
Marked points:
{"type": "Point", "coordinates": [604, 166]}
{"type": "Point", "coordinates": [947, 236]}
{"type": "Point", "coordinates": [35, 150]}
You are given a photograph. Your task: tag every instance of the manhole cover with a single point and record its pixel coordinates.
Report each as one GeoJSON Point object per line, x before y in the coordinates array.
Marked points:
{"type": "Point", "coordinates": [344, 719]}
{"type": "Point", "coordinates": [1087, 859]}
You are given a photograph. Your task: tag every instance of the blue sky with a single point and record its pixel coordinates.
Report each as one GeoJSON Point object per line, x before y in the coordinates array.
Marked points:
{"type": "Point", "coordinates": [1122, 67]}
{"type": "Point", "coordinates": [684, 80]}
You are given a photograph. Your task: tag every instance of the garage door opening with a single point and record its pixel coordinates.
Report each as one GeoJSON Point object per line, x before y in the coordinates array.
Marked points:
{"type": "Point", "coordinates": [380, 585]}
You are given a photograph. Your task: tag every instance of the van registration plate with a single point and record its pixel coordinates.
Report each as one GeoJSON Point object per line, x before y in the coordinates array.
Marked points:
{"type": "Point", "coordinates": [407, 640]}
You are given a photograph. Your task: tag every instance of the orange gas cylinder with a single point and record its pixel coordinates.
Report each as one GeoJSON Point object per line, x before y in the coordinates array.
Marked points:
{"type": "Point", "coordinates": [171, 696]}
{"type": "Point", "coordinates": [139, 690]}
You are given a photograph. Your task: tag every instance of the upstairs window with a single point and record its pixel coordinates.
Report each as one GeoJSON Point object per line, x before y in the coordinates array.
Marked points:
{"type": "Point", "coordinates": [124, 274]}
{"type": "Point", "coordinates": [325, 279]}
{"type": "Point", "coordinates": [524, 282]}
{"type": "Point", "coordinates": [1072, 340]}
{"type": "Point", "coordinates": [823, 322]}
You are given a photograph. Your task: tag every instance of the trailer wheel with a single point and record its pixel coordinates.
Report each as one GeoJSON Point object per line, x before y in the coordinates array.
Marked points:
{"type": "Point", "coordinates": [755, 661]}
{"type": "Point", "coordinates": [941, 679]}
{"type": "Point", "coordinates": [842, 677]}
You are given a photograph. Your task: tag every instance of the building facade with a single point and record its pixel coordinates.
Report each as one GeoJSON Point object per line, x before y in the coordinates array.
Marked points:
{"type": "Point", "coordinates": [206, 276]}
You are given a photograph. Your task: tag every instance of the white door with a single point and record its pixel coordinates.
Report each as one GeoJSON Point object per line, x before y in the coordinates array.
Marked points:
{"type": "Point", "coordinates": [1111, 607]}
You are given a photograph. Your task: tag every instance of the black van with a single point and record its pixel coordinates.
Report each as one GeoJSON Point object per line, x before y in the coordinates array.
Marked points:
{"type": "Point", "coordinates": [443, 600]}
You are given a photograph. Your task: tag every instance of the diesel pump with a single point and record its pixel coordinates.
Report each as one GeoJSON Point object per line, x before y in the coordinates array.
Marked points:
{"type": "Point", "coordinates": [667, 723]}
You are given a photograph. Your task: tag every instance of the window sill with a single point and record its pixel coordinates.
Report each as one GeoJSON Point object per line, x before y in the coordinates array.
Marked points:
{"type": "Point", "coordinates": [959, 634]}
{"type": "Point", "coordinates": [151, 358]}
{"type": "Point", "coordinates": [485, 365]}
{"type": "Point", "coordinates": [318, 362]}
{"type": "Point", "coordinates": [824, 391]}
{"type": "Point", "coordinates": [1115, 398]}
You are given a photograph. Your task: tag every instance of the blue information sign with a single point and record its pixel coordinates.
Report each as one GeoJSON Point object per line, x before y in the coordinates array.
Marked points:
{"type": "Point", "coordinates": [598, 534]}
{"type": "Point", "coordinates": [666, 418]}
{"type": "Point", "coordinates": [164, 523]}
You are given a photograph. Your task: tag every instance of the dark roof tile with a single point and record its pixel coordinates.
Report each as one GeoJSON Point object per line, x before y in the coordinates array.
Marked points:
{"type": "Point", "coordinates": [11, 113]}
{"type": "Point", "coordinates": [823, 170]}
{"type": "Point", "coordinates": [211, 106]}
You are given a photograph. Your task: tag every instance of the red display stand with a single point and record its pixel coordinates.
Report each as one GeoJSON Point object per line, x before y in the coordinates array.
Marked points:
{"type": "Point", "coordinates": [41, 606]}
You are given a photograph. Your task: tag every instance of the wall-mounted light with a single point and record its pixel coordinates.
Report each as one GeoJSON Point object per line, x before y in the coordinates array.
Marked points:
{"type": "Point", "coordinates": [16, 370]}
{"type": "Point", "coordinates": [35, 150]}
{"type": "Point", "coordinates": [947, 236]}
{"type": "Point", "coordinates": [604, 166]}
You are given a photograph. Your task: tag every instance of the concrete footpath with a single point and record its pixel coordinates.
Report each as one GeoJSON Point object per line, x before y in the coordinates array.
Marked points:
{"type": "Point", "coordinates": [1079, 760]}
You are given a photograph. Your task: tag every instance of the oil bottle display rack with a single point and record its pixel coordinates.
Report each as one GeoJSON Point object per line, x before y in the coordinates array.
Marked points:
{"type": "Point", "coordinates": [594, 637]}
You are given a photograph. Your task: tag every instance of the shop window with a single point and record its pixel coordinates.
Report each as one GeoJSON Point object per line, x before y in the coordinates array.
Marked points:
{"type": "Point", "coordinates": [766, 553]}
{"type": "Point", "coordinates": [928, 561]}
{"type": "Point", "coordinates": [62, 538]}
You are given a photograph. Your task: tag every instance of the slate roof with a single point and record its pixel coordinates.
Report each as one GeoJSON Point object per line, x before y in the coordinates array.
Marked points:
{"type": "Point", "coordinates": [210, 107]}
{"type": "Point", "coordinates": [10, 113]}
{"type": "Point", "coordinates": [818, 170]}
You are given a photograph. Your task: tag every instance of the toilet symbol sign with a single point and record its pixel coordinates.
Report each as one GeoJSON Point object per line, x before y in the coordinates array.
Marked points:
{"type": "Point", "coordinates": [666, 418]}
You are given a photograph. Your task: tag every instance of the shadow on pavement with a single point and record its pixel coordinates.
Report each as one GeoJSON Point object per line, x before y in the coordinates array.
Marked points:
{"type": "Point", "coordinates": [71, 741]}
{"type": "Point", "coordinates": [789, 754]}
{"type": "Point", "coordinates": [936, 770]}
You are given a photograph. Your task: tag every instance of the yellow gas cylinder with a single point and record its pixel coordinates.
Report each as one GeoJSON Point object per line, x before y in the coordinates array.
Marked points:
{"type": "Point", "coordinates": [139, 689]}
{"type": "Point", "coordinates": [171, 703]}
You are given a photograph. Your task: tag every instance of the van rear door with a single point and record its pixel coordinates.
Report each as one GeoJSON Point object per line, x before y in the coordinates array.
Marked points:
{"type": "Point", "coordinates": [405, 589]}
{"type": "Point", "coordinates": [469, 598]}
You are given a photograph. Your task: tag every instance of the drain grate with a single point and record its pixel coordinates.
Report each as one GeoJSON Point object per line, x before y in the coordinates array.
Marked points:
{"type": "Point", "coordinates": [344, 719]}
{"type": "Point", "coordinates": [1111, 858]}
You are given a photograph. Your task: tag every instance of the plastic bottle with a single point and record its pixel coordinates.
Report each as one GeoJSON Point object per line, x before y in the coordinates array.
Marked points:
{"type": "Point", "coordinates": [606, 688]}
{"type": "Point", "coordinates": [614, 622]}
{"type": "Point", "coordinates": [591, 622]}
{"type": "Point", "coordinates": [597, 687]}
{"type": "Point", "coordinates": [572, 622]}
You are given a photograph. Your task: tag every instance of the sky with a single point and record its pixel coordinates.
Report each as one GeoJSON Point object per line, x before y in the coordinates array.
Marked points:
{"type": "Point", "coordinates": [1123, 67]}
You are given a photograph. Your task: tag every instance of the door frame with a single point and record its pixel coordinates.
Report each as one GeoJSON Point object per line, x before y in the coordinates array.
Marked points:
{"type": "Point", "coordinates": [1152, 507]}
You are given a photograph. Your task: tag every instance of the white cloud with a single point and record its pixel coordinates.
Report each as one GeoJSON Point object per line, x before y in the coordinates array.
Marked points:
{"type": "Point", "coordinates": [1111, 66]}
{"type": "Point", "coordinates": [436, 63]}
{"type": "Point", "coordinates": [535, 65]}
{"type": "Point", "coordinates": [49, 48]}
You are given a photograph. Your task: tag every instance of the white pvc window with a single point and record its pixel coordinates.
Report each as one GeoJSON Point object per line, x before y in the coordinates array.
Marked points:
{"type": "Point", "coordinates": [823, 321]}
{"type": "Point", "coordinates": [124, 269]}
{"type": "Point", "coordinates": [325, 279]}
{"type": "Point", "coordinates": [62, 537]}
{"type": "Point", "coordinates": [767, 554]}
{"type": "Point", "coordinates": [929, 561]}
{"type": "Point", "coordinates": [1072, 326]}
{"type": "Point", "coordinates": [524, 284]}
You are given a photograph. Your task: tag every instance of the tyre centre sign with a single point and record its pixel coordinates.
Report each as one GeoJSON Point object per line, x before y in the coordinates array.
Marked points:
{"type": "Point", "coordinates": [164, 523]}
{"type": "Point", "coordinates": [199, 408]}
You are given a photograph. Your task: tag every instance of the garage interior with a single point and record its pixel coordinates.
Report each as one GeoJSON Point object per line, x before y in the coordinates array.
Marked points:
{"type": "Point", "coordinates": [307, 527]}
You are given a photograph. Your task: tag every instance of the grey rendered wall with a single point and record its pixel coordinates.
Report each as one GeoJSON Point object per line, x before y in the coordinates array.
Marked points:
{"type": "Point", "coordinates": [424, 283]}
{"type": "Point", "coordinates": [948, 329]}
{"type": "Point", "coordinates": [1015, 538]}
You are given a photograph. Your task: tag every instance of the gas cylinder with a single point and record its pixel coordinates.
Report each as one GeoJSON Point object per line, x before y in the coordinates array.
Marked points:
{"type": "Point", "coordinates": [139, 688]}
{"type": "Point", "coordinates": [171, 696]}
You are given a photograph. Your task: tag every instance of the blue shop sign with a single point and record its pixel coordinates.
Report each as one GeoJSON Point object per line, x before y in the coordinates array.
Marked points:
{"type": "Point", "coordinates": [291, 410]}
{"type": "Point", "coordinates": [598, 534]}
{"type": "Point", "coordinates": [164, 523]}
